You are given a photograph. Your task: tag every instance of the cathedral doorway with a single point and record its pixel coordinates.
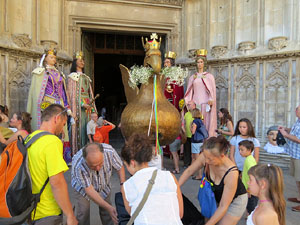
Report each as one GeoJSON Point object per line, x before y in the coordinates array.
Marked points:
{"type": "Point", "coordinates": [104, 53]}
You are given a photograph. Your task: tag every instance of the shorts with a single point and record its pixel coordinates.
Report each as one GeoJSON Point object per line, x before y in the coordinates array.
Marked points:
{"type": "Point", "coordinates": [238, 205]}
{"type": "Point", "coordinates": [175, 145]}
{"type": "Point", "coordinates": [295, 168]}
{"type": "Point", "coordinates": [196, 148]}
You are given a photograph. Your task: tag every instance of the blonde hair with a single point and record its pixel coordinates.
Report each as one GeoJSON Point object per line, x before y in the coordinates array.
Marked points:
{"type": "Point", "coordinates": [273, 175]}
{"type": "Point", "coordinates": [196, 113]}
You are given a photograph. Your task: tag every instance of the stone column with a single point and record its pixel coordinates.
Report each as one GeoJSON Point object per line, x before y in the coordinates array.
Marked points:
{"type": "Point", "coordinates": [49, 22]}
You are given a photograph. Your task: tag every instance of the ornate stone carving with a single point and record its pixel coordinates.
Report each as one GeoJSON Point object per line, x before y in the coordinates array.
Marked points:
{"type": "Point", "coordinates": [218, 51]}
{"type": "Point", "coordinates": [49, 44]}
{"type": "Point", "coordinates": [192, 53]}
{"type": "Point", "coordinates": [245, 46]}
{"type": "Point", "coordinates": [277, 43]}
{"type": "Point", "coordinates": [22, 40]}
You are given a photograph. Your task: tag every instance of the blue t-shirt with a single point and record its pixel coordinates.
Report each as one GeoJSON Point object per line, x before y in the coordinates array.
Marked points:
{"type": "Point", "coordinates": [239, 160]}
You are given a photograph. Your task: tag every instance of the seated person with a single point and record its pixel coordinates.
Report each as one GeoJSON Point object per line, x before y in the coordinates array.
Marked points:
{"type": "Point", "coordinates": [271, 146]}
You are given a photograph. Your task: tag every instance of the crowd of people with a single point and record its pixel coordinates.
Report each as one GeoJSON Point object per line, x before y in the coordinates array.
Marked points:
{"type": "Point", "coordinates": [227, 158]}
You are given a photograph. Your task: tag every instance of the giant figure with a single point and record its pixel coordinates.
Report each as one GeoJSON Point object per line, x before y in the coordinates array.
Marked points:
{"type": "Point", "coordinates": [202, 90]}
{"type": "Point", "coordinates": [48, 87]}
{"type": "Point", "coordinates": [136, 117]}
{"type": "Point", "coordinates": [174, 93]}
{"type": "Point", "coordinates": [81, 101]}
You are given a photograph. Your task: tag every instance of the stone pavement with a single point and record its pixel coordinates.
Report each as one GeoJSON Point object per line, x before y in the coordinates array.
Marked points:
{"type": "Point", "coordinates": [190, 188]}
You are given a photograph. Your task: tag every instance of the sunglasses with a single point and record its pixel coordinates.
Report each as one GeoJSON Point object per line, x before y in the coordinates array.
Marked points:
{"type": "Point", "coordinates": [65, 110]}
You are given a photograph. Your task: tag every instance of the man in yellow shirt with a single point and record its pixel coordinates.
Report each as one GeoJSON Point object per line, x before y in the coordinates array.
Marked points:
{"type": "Point", "coordinates": [45, 159]}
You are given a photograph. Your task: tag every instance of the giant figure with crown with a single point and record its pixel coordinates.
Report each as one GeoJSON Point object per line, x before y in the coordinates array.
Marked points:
{"type": "Point", "coordinates": [138, 116]}
{"type": "Point", "coordinates": [81, 101]}
{"type": "Point", "coordinates": [48, 87]}
{"type": "Point", "coordinates": [201, 89]}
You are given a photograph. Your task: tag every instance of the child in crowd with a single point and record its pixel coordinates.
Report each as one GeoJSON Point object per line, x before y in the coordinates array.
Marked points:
{"type": "Point", "coordinates": [243, 131]}
{"type": "Point", "coordinates": [196, 145]}
{"type": "Point", "coordinates": [246, 148]}
{"type": "Point", "coordinates": [266, 182]}
{"type": "Point", "coordinates": [164, 204]}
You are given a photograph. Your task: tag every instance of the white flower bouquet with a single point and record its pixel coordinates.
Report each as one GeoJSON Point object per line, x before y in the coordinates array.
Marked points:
{"type": "Point", "coordinates": [140, 75]}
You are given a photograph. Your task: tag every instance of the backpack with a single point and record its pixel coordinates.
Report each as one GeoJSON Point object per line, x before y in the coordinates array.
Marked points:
{"type": "Point", "coordinates": [16, 198]}
{"type": "Point", "coordinates": [201, 133]}
{"type": "Point", "coordinates": [98, 136]}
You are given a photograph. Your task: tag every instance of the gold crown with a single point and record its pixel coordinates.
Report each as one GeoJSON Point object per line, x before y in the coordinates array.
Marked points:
{"type": "Point", "coordinates": [201, 52]}
{"type": "Point", "coordinates": [79, 55]}
{"type": "Point", "coordinates": [50, 51]}
{"type": "Point", "coordinates": [152, 44]}
{"type": "Point", "coordinates": [170, 55]}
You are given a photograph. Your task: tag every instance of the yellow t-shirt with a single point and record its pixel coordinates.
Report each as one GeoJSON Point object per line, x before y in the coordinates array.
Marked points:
{"type": "Point", "coordinates": [249, 162]}
{"type": "Point", "coordinates": [188, 121]}
{"type": "Point", "coordinates": [45, 159]}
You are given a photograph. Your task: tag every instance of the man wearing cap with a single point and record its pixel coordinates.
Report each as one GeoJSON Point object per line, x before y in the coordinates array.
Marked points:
{"type": "Point", "coordinates": [81, 101]}
{"type": "Point", "coordinates": [271, 146]}
{"type": "Point", "coordinates": [201, 89]}
{"type": "Point", "coordinates": [172, 92]}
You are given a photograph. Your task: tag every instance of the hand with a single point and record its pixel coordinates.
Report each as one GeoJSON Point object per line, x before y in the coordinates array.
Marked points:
{"type": "Point", "coordinates": [86, 106]}
{"type": "Point", "coordinates": [114, 215]}
{"type": "Point", "coordinates": [72, 220]}
{"type": "Point", "coordinates": [283, 131]}
{"type": "Point", "coordinates": [210, 102]}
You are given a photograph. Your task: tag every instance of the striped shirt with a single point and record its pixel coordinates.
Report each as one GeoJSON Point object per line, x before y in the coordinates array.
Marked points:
{"type": "Point", "coordinates": [293, 148]}
{"type": "Point", "coordinates": [83, 176]}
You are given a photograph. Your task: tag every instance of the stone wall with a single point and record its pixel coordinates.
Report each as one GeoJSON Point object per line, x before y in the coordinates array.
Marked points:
{"type": "Point", "coordinates": [27, 27]}
{"type": "Point", "coordinates": [254, 53]}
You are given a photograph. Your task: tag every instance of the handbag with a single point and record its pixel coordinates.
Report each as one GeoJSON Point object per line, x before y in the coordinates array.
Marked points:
{"type": "Point", "coordinates": [206, 196]}
{"type": "Point", "coordinates": [144, 199]}
{"type": "Point", "coordinates": [201, 133]}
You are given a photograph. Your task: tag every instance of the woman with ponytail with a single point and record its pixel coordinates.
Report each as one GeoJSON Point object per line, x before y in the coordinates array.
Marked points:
{"type": "Point", "coordinates": [266, 182]}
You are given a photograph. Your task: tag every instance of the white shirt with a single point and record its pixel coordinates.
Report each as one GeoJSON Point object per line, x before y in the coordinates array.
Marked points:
{"type": "Point", "coordinates": [161, 207]}
{"type": "Point", "coordinates": [90, 127]}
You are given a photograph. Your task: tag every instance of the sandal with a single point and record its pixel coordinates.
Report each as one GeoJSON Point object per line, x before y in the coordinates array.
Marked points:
{"type": "Point", "coordinates": [176, 172]}
{"type": "Point", "coordinates": [195, 178]}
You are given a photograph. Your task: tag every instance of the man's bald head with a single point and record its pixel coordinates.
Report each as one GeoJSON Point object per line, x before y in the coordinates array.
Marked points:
{"type": "Point", "coordinates": [93, 155]}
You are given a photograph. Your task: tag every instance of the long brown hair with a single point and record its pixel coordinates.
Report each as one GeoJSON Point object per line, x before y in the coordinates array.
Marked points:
{"type": "Point", "coordinates": [204, 61]}
{"type": "Point", "coordinates": [273, 175]}
{"type": "Point", "coordinates": [26, 120]}
{"type": "Point", "coordinates": [250, 131]}
{"type": "Point", "coordinates": [226, 116]}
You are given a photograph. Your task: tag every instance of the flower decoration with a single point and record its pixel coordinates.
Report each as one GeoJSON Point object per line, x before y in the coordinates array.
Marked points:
{"type": "Point", "coordinates": [140, 75]}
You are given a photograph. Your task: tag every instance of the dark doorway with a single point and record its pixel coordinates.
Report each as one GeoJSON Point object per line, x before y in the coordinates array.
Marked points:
{"type": "Point", "coordinates": [108, 82]}
{"type": "Point", "coordinates": [108, 51]}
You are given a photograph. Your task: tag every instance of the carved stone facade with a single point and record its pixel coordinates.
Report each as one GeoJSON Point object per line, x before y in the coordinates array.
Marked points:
{"type": "Point", "coordinates": [253, 46]}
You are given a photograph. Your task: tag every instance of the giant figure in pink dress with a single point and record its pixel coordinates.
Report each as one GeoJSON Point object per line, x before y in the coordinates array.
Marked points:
{"type": "Point", "coordinates": [202, 90]}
